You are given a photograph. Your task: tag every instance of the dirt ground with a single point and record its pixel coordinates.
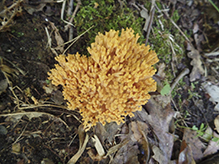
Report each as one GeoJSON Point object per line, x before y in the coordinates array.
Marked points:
{"type": "Point", "coordinates": [37, 127]}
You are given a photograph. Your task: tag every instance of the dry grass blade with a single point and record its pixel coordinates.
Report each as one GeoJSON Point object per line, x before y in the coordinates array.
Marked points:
{"type": "Point", "coordinates": [116, 147]}
{"type": "Point", "coordinates": [8, 14]}
{"type": "Point", "coordinates": [31, 115]}
{"type": "Point", "coordinates": [75, 158]}
{"type": "Point", "coordinates": [151, 20]}
{"type": "Point", "coordinates": [20, 70]}
{"type": "Point", "coordinates": [20, 135]}
{"type": "Point", "coordinates": [98, 146]}
{"type": "Point", "coordinates": [75, 39]}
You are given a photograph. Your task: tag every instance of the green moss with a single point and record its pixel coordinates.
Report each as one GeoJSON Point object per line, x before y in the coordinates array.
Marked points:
{"type": "Point", "coordinates": [107, 15]}
{"type": "Point", "coordinates": [165, 37]}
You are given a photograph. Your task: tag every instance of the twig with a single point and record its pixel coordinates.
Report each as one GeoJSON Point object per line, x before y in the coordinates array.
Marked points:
{"type": "Point", "coordinates": [151, 21]}
{"type": "Point", "coordinates": [20, 135]}
{"type": "Point", "coordinates": [72, 139]}
{"type": "Point", "coordinates": [9, 8]}
{"type": "Point", "coordinates": [73, 15]}
{"type": "Point", "coordinates": [133, 4]}
{"type": "Point", "coordinates": [11, 87]}
{"type": "Point", "coordinates": [165, 13]}
{"type": "Point", "coordinates": [180, 76]}
{"type": "Point", "coordinates": [70, 35]}
{"type": "Point", "coordinates": [49, 42]}
{"type": "Point", "coordinates": [20, 70]}
{"type": "Point", "coordinates": [63, 10]}
{"type": "Point", "coordinates": [31, 106]}
{"type": "Point", "coordinates": [32, 114]}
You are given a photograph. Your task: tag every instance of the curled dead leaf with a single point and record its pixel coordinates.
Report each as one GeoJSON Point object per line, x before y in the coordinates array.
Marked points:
{"type": "Point", "coordinates": [196, 62]}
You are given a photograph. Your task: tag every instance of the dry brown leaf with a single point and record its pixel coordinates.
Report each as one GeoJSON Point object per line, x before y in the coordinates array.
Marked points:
{"type": "Point", "coordinates": [212, 147]}
{"type": "Point", "coordinates": [163, 101]}
{"type": "Point", "coordinates": [107, 133]}
{"type": "Point", "coordinates": [185, 156]}
{"type": "Point", "coordinates": [140, 131]}
{"type": "Point", "coordinates": [198, 38]}
{"type": "Point", "coordinates": [93, 155]}
{"type": "Point", "coordinates": [136, 133]}
{"type": "Point", "coordinates": [127, 154]}
{"type": "Point", "coordinates": [161, 67]}
{"type": "Point", "coordinates": [116, 147]}
{"type": "Point", "coordinates": [216, 123]}
{"type": "Point", "coordinates": [159, 119]}
{"type": "Point", "coordinates": [57, 97]}
{"type": "Point", "coordinates": [59, 40]}
{"type": "Point", "coordinates": [112, 128]}
{"type": "Point", "coordinates": [213, 91]}
{"type": "Point", "coordinates": [37, 7]}
{"type": "Point", "coordinates": [101, 132]}
{"type": "Point", "coordinates": [81, 135]}
{"type": "Point", "coordinates": [3, 85]}
{"type": "Point", "coordinates": [207, 136]}
{"type": "Point", "coordinates": [194, 142]}
{"type": "Point", "coordinates": [16, 148]}
{"type": "Point", "coordinates": [158, 155]}
{"type": "Point", "coordinates": [196, 62]}
{"type": "Point", "coordinates": [49, 88]}
{"type": "Point", "coordinates": [133, 137]}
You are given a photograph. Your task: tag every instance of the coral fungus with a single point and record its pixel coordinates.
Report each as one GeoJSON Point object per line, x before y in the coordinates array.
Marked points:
{"type": "Point", "coordinates": [110, 84]}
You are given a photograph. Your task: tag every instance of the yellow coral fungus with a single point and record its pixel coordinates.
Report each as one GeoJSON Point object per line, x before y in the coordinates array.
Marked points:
{"type": "Point", "coordinates": [110, 84]}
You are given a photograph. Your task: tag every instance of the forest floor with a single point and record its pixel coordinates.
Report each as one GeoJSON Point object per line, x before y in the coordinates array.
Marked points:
{"type": "Point", "coordinates": [179, 124]}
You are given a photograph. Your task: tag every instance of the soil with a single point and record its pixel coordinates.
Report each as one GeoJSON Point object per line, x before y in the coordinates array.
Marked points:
{"type": "Point", "coordinates": [25, 47]}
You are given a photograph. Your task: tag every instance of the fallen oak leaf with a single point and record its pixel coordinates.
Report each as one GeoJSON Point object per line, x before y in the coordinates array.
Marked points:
{"type": "Point", "coordinates": [160, 118]}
